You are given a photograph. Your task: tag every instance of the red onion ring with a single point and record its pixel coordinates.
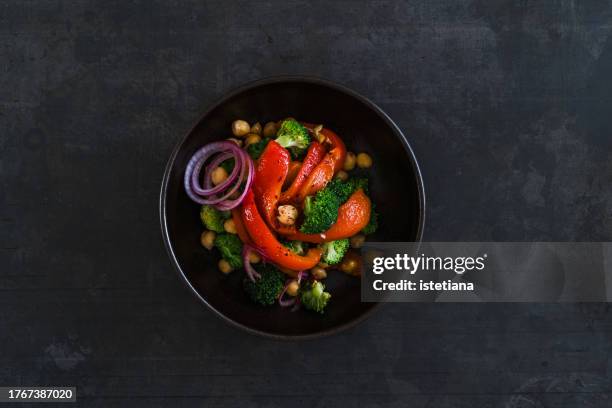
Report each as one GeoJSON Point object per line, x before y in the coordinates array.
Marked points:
{"type": "Point", "coordinates": [292, 301]}
{"type": "Point", "coordinates": [286, 302]}
{"type": "Point", "coordinates": [241, 175]}
{"type": "Point", "coordinates": [301, 274]}
{"type": "Point", "coordinates": [250, 271]}
{"type": "Point", "coordinates": [248, 168]}
{"type": "Point", "coordinates": [197, 162]}
{"type": "Point", "coordinates": [227, 194]}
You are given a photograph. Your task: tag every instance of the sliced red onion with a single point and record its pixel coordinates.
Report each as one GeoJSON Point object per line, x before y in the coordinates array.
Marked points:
{"type": "Point", "coordinates": [250, 170]}
{"type": "Point", "coordinates": [226, 150]}
{"type": "Point", "coordinates": [223, 200]}
{"type": "Point", "coordinates": [286, 302]}
{"type": "Point", "coordinates": [216, 162]}
{"type": "Point", "coordinates": [219, 196]}
{"type": "Point", "coordinates": [301, 274]}
{"type": "Point", "coordinates": [292, 301]}
{"type": "Point", "coordinates": [250, 271]}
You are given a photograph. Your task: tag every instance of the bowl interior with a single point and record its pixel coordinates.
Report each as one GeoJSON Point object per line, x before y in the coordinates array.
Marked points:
{"type": "Point", "coordinates": [394, 187]}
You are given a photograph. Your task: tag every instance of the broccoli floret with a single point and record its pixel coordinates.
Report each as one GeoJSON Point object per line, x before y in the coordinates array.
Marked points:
{"type": "Point", "coordinates": [308, 204]}
{"type": "Point", "coordinates": [230, 247]}
{"type": "Point", "coordinates": [297, 247]}
{"type": "Point", "coordinates": [333, 251]}
{"type": "Point", "coordinates": [321, 211]}
{"type": "Point", "coordinates": [314, 298]}
{"type": "Point", "coordinates": [294, 137]}
{"type": "Point", "coordinates": [373, 223]}
{"type": "Point", "coordinates": [212, 218]}
{"type": "Point", "coordinates": [256, 149]}
{"type": "Point", "coordinates": [359, 183]}
{"type": "Point", "coordinates": [266, 289]}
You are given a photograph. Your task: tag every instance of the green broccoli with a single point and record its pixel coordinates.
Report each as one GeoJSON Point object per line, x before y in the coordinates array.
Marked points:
{"type": "Point", "coordinates": [294, 137]}
{"type": "Point", "coordinates": [212, 218]}
{"type": "Point", "coordinates": [321, 211]}
{"type": "Point", "coordinates": [230, 247]}
{"type": "Point", "coordinates": [256, 149]}
{"type": "Point", "coordinates": [333, 251]}
{"type": "Point", "coordinates": [357, 183]}
{"type": "Point", "coordinates": [266, 289]}
{"type": "Point", "coordinates": [297, 247]}
{"type": "Point", "coordinates": [373, 223]}
{"type": "Point", "coordinates": [314, 298]}
{"type": "Point", "coordinates": [308, 201]}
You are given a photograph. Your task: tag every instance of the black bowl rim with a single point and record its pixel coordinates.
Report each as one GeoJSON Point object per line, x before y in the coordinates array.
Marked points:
{"type": "Point", "coordinates": [230, 94]}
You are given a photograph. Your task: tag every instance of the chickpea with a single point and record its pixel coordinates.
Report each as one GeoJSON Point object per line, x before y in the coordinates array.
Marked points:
{"type": "Point", "coordinates": [256, 128]}
{"type": "Point", "coordinates": [251, 138]}
{"type": "Point", "coordinates": [229, 226]}
{"type": "Point", "coordinates": [323, 265]}
{"type": "Point", "coordinates": [207, 239]}
{"type": "Point", "coordinates": [254, 257]}
{"type": "Point", "coordinates": [318, 273]}
{"type": "Point", "coordinates": [287, 214]}
{"type": "Point", "coordinates": [357, 240]}
{"type": "Point", "coordinates": [342, 175]}
{"type": "Point", "coordinates": [351, 264]}
{"type": "Point", "coordinates": [240, 128]}
{"type": "Point", "coordinates": [233, 139]}
{"type": "Point", "coordinates": [292, 288]}
{"type": "Point", "coordinates": [348, 266]}
{"type": "Point", "coordinates": [269, 129]}
{"type": "Point", "coordinates": [218, 176]}
{"type": "Point", "coordinates": [349, 161]}
{"type": "Point", "coordinates": [224, 266]}
{"type": "Point", "coordinates": [364, 160]}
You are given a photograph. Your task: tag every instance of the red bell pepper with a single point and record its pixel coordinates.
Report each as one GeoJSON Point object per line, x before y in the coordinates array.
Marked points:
{"type": "Point", "coordinates": [267, 244]}
{"type": "Point", "coordinates": [240, 228]}
{"type": "Point", "coordinates": [353, 216]}
{"type": "Point", "coordinates": [294, 169]}
{"type": "Point", "coordinates": [316, 171]}
{"type": "Point", "coordinates": [330, 165]}
{"type": "Point", "coordinates": [270, 173]}
{"type": "Point", "coordinates": [315, 154]}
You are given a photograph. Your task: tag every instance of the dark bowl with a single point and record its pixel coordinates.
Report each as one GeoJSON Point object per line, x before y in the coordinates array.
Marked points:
{"type": "Point", "coordinates": [395, 183]}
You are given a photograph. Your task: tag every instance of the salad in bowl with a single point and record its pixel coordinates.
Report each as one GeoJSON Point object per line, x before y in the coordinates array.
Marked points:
{"type": "Point", "coordinates": [285, 204]}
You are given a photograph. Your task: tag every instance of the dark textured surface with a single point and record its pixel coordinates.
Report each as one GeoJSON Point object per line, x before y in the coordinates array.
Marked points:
{"type": "Point", "coordinates": [506, 103]}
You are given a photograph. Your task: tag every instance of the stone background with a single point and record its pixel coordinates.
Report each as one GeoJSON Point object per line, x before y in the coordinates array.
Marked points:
{"type": "Point", "coordinates": [507, 105]}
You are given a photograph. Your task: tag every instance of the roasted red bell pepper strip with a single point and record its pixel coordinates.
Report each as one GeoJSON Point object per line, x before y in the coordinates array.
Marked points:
{"type": "Point", "coordinates": [240, 229]}
{"type": "Point", "coordinates": [267, 244]}
{"type": "Point", "coordinates": [353, 216]}
{"type": "Point", "coordinates": [325, 170]}
{"type": "Point", "coordinates": [315, 154]}
{"type": "Point", "coordinates": [270, 173]}
{"type": "Point", "coordinates": [294, 169]}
